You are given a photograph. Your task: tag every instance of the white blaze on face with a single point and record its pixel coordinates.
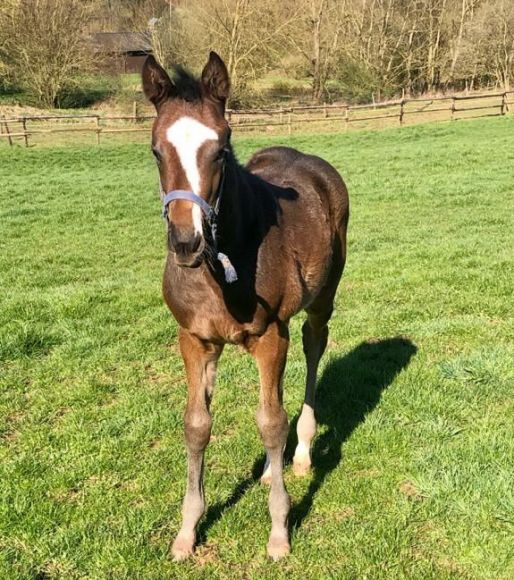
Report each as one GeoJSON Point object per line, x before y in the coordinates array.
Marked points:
{"type": "Point", "coordinates": [187, 135]}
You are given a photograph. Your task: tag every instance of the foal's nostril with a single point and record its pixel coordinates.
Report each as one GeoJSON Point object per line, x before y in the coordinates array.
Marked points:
{"type": "Point", "coordinates": [184, 242]}
{"type": "Point", "coordinates": [182, 248]}
{"type": "Point", "coordinates": [196, 243]}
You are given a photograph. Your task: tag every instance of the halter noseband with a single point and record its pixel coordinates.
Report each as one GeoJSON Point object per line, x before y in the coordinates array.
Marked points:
{"type": "Point", "coordinates": [211, 215]}
{"type": "Point", "coordinates": [189, 196]}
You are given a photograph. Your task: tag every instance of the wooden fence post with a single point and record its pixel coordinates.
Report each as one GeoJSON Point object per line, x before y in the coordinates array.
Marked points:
{"type": "Point", "coordinates": [402, 103]}
{"type": "Point", "coordinates": [134, 111]}
{"type": "Point", "coordinates": [346, 112]}
{"type": "Point", "coordinates": [98, 129]}
{"type": "Point", "coordinates": [8, 133]}
{"type": "Point", "coordinates": [504, 103]}
{"type": "Point", "coordinates": [453, 109]}
{"type": "Point", "coordinates": [25, 134]}
{"type": "Point", "coordinates": [289, 125]}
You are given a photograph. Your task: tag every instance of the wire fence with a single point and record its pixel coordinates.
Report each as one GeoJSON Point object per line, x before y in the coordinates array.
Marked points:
{"type": "Point", "coordinates": [32, 130]}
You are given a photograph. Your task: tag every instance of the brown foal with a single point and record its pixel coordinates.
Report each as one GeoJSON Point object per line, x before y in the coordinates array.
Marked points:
{"type": "Point", "coordinates": [249, 247]}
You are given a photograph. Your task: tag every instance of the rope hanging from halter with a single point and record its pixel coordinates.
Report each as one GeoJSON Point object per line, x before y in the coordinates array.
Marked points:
{"type": "Point", "coordinates": [211, 215]}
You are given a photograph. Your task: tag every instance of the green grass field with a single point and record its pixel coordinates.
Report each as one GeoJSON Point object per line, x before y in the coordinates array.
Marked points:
{"type": "Point", "coordinates": [414, 474]}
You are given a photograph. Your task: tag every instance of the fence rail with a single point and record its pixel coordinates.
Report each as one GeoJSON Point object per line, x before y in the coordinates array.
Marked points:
{"type": "Point", "coordinates": [285, 119]}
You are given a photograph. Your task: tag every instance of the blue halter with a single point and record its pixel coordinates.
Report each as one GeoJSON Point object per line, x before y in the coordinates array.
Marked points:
{"type": "Point", "coordinates": [189, 196]}
{"type": "Point", "coordinates": [210, 212]}
{"type": "Point", "coordinates": [211, 215]}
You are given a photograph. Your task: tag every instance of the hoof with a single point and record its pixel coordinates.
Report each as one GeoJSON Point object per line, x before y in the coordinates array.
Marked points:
{"type": "Point", "coordinates": [278, 548]}
{"type": "Point", "coordinates": [301, 467]}
{"type": "Point", "coordinates": [182, 548]}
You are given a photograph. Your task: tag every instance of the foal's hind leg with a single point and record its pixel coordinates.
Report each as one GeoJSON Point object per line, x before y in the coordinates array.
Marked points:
{"type": "Point", "coordinates": [314, 336]}
{"type": "Point", "coordinates": [200, 360]}
{"type": "Point", "coordinates": [270, 351]}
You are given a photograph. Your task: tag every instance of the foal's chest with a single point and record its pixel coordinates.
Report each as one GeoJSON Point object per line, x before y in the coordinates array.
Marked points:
{"type": "Point", "coordinates": [199, 305]}
{"type": "Point", "coordinates": [224, 329]}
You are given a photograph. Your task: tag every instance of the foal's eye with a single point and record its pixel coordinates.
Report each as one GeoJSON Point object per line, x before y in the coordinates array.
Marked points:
{"type": "Point", "coordinates": [221, 154]}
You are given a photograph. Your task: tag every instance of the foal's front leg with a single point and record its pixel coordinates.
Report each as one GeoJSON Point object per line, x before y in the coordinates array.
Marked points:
{"type": "Point", "coordinates": [270, 352]}
{"type": "Point", "coordinates": [200, 360]}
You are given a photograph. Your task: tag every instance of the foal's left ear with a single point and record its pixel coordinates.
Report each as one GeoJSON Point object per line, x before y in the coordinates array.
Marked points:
{"type": "Point", "coordinates": [215, 81]}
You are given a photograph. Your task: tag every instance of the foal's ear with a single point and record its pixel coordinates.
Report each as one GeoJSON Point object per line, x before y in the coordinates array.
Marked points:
{"type": "Point", "coordinates": [215, 81]}
{"type": "Point", "coordinates": [157, 84]}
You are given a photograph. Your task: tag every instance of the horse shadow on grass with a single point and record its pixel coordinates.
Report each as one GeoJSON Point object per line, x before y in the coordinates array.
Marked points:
{"type": "Point", "coordinates": [349, 388]}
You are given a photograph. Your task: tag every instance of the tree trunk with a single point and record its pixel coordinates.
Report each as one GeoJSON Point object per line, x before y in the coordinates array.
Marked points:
{"type": "Point", "coordinates": [317, 15]}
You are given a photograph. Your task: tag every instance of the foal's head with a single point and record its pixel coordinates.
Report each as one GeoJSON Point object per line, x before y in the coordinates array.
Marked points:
{"type": "Point", "coordinates": [190, 139]}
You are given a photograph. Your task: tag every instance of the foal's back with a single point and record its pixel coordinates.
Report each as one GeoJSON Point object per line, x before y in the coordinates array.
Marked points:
{"type": "Point", "coordinates": [313, 178]}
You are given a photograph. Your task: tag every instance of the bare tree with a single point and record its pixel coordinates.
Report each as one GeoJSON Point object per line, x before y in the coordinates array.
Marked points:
{"type": "Point", "coordinates": [315, 34]}
{"type": "Point", "coordinates": [465, 12]}
{"type": "Point", "coordinates": [7, 9]}
{"type": "Point", "coordinates": [494, 35]}
{"type": "Point", "coordinates": [246, 34]}
{"type": "Point", "coordinates": [46, 47]}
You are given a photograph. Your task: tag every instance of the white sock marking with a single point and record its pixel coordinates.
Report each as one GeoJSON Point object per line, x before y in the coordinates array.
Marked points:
{"type": "Point", "coordinates": [187, 135]}
{"type": "Point", "coordinates": [302, 450]}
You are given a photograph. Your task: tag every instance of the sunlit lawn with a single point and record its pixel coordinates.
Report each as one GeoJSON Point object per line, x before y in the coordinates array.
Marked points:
{"type": "Point", "coordinates": [414, 472]}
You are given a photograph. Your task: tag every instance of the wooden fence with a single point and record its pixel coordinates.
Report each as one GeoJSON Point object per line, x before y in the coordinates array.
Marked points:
{"type": "Point", "coordinates": [336, 117]}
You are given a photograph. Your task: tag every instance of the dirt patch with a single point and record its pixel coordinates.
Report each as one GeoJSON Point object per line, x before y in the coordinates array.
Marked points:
{"type": "Point", "coordinates": [206, 554]}
{"type": "Point", "coordinates": [410, 490]}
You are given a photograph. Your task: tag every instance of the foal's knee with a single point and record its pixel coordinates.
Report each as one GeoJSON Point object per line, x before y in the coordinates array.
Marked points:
{"type": "Point", "coordinates": [197, 426]}
{"type": "Point", "coordinates": [273, 426]}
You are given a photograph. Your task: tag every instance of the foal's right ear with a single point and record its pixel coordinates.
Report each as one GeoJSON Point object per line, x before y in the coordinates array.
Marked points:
{"type": "Point", "coordinates": [157, 85]}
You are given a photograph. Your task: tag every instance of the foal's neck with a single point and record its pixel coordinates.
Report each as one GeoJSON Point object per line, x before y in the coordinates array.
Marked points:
{"type": "Point", "coordinates": [239, 211]}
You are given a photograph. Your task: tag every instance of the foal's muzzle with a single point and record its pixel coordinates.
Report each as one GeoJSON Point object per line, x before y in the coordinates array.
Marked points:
{"type": "Point", "coordinates": [187, 245]}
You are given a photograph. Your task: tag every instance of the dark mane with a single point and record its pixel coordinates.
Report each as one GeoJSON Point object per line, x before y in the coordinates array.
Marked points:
{"type": "Point", "coordinates": [187, 86]}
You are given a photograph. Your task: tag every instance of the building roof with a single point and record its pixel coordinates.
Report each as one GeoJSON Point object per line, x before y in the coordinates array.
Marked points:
{"type": "Point", "coordinates": [122, 42]}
